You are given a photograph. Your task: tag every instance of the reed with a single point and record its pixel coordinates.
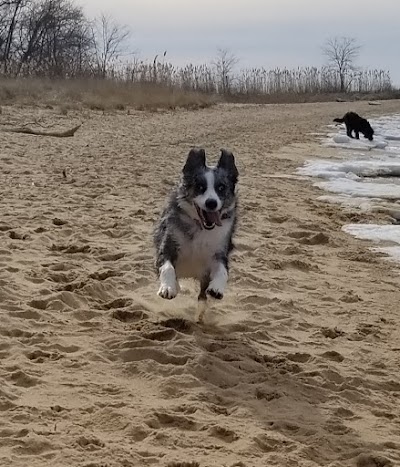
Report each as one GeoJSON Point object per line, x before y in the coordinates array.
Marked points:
{"type": "Point", "coordinates": [157, 84]}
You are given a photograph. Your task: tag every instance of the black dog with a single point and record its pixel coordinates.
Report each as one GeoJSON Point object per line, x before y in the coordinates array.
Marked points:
{"type": "Point", "coordinates": [357, 124]}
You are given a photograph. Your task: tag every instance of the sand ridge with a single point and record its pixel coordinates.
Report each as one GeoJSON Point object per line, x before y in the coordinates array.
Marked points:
{"type": "Point", "coordinates": [298, 366]}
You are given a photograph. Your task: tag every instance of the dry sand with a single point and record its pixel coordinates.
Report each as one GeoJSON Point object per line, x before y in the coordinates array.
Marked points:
{"type": "Point", "coordinates": [297, 366]}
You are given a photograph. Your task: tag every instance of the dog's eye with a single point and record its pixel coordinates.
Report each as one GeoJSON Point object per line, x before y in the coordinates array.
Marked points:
{"type": "Point", "coordinates": [221, 188]}
{"type": "Point", "coordinates": [200, 187]}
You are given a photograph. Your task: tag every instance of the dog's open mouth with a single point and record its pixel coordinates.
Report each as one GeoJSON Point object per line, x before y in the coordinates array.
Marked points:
{"type": "Point", "coordinates": [208, 219]}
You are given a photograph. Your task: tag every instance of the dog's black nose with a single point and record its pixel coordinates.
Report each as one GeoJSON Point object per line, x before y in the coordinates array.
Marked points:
{"type": "Point", "coordinates": [211, 204]}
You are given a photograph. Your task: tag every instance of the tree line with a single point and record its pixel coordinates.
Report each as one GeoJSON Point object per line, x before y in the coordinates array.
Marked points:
{"type": "Point", "coordinates": [54, 39]}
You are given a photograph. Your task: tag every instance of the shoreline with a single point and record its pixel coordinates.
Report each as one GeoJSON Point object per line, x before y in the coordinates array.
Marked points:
{"type": "Point", "coordinates": [358, 180]}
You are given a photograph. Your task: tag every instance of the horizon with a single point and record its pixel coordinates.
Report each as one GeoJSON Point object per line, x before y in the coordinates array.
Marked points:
{"type": "Point", "coordinates": [282, 34]}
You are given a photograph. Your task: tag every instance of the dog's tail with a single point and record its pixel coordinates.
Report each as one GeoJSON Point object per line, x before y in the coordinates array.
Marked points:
{"type": "Point", "coordinates": [339, 120]}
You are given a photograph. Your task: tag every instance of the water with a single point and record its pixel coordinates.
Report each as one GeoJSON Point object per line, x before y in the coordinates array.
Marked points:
{"type": "Point", "coordinates": [365, 175]}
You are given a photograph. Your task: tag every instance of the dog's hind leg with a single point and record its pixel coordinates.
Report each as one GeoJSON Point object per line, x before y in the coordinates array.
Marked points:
{"type": "Point", "coordinates": [348, 131]}
{"type": "Point", "coordinates": [357, 134]}
{"type": "Point", "coordinates": [202, 298]}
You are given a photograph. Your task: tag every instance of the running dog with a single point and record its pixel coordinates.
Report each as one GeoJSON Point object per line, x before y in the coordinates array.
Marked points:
{"type": "Point", "coordinates": [357, 124]}
{"type": "Point", "coordinates": [193, 237]}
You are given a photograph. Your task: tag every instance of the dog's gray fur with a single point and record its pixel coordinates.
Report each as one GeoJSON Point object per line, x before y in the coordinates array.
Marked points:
{"type": "Point", "coordinates": [195, 242]}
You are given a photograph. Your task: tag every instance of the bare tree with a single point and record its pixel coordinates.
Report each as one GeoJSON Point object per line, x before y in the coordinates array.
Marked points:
{"type": "Point", "coordinates": [224, 63]}
{"type": "Point", "coordinates": [53, 36]}
{"type": "Point", "coordinates": [341, 53]}
{"type": "Point", "coordinates": [110, 42]}
{"type": "Point", "coordinates": [9, 12]}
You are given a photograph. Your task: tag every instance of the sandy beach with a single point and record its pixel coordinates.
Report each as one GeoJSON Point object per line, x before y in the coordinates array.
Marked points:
{"type": "Point", "coordinates": [297, 366]}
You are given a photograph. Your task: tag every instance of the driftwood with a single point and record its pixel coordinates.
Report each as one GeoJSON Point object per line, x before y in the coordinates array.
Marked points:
{"type": "Point", "coordinates": [56, 134]}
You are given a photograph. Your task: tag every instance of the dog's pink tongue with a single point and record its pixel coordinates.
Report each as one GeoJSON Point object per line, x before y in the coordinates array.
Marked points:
{"type": "Point", "coordinates": [214, 218]}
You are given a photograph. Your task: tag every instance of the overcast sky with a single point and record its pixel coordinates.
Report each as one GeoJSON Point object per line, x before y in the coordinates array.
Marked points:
{"type": "Point", "coordinates": [266, 33]}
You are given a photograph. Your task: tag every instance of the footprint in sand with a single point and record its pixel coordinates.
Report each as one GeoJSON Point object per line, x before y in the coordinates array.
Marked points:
{"type": "Point", "coordinates": [90, 443]}
{"type": "Point", "coordinates": [129, 316]}
{"type": "Point", "coordinates": [60, 301]}
{"type": "Point", "coordinates": [62, 277]}
{"type": "Point", "coordinates": [183, 464]}
{"type": "Point", "coordinates": [160, 335]}
{"type": "Point", "coordinates": [111, 256]}
{"type": "Point", "coordinates": [18, 235]}
{"type": "Point", "coordinates": [310, 238]}
{"type": "Point", "coordinates": [21, 378]}
{"type": "Point", "coordinates": [165, 419]}
{"type": "Point", "coordinates": [150, 353]}
{"type": "Point", "coordinates": [71, 249]}
{"type": "Point", "coordinates": [225, 434]}
{"type": "Point", "coordinates": [332, 333]}
{"type": "Point", "coordinates": [103, 275]}
{"type": "Point", "coordinates": [370, 460]}
{"type": "Point", "coordinates": [267, 395]}
{"type": "Point", "coordinates": [270, 443]}
{"type": "Point", "coordinates": [333, 356]}
{"type": "Point", "coordinates": [40, 356]}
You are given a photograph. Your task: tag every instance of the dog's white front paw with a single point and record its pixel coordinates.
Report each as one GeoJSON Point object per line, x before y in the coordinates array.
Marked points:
{"type": "Point", "coordinates": [168, 292]}
{"type": "Point", "coordinates": [217, 294]}
{"type": "Point", "coordinates": [169, 287]}
{"type": "Point", "coordinates": [219, 279]}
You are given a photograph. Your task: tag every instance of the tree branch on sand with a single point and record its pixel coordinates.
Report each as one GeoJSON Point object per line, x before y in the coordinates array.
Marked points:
{"type": "Point", "coordinates": [56, 134]}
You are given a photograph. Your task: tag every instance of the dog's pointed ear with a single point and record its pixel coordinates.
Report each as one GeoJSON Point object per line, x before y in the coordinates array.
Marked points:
{"type": "Point", "coordinates": [227, 162]}
{"type": "Point", "coordinates": [196, 159]}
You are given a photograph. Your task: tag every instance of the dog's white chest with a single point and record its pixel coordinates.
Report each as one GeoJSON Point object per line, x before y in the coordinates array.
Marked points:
{"type": "Point", "coordinates": [196, 256]}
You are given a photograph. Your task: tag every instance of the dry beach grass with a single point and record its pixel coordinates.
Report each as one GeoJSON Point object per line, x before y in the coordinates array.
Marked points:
{"type": "Point", "coordinates": [98, 94]}
{"type": "Point", "coordinates": [298, 366]}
